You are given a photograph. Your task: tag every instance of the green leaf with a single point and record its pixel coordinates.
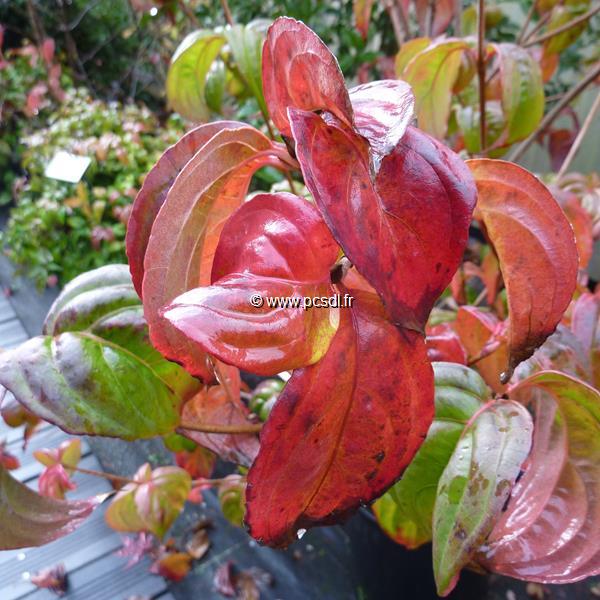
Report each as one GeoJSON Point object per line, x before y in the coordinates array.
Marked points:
{"type": "Point", "coordinates": [103, 377]}
{"type": "Point", "coordinates": [187, 74]}
{"type": "Point", "coordinates": [522, 91]}
{"type": "Point", "coordinates": [29, 519]}
{"type": "Point", "coordinates": [405, 512]}
{"type": "Point", "coordinates": [246, 44]}
{"type": "Point", "coordinates": [432, 74]}
{"type": "Point", "coordinates": [152, 503]}
{"type": "Point", "coordinates": [476, 484]}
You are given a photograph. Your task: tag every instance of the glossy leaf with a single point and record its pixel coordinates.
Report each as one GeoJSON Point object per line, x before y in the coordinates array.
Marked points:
{"type": "Point", "coordinates": [382, 112]}
{"type": "Point", "coordinates": [103, 378]}
{"type": "Point", "coordinates": [152, 503]}
{"type": "Point", "coordinates": [561, 15]}
{"type": "Point", "coordinates": [522, 91]}
{"type": "Point", "coordinates": [408, 51]}
{"type": "Point", "coordinates": [550, 531]}
{"type": "Point", "coordinates": [187, 73]}
{"type": "Point", "coordinates": [300, 71]}
{"type": "Point", "coordinates": [405, 511]}
{"type": "Point", "coordinates": [29, 519]}
{"type": "Point", "coordinates": [443, 344]}
{"type": "Point", "coordinates": [341, 433]}
{"type": "Point", "coordinates": [258, 257]}
{"type": "Point", "coordinates": [154, 191]}
{"type": "Point", "coordinates": [218, 405]}
{"type": "Point", "coordinates": [186, 231]}
{"type": "Point", "coordinates": [483, 336]}
{"type": "Point", "coordinates": [405, 234]}
{"type": "Point", "coordinates": [476, 484]}
{"type": "Point", "coordinates": [535, 246]}
{"type": "Point", "coordinates": [432, 73]}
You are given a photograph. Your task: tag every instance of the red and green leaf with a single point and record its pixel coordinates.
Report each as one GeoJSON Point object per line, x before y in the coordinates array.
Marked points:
{"type": "Point", "coordinates": [29, 519]}
{"type": "Point", "coordinates": [475, 485]}
{"type": "Point", "coordinates": [405, 511]}
{"type": "Point", "coordinates": [274, 246]}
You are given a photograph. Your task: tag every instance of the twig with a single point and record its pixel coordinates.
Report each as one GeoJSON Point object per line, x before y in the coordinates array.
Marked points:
{"type": "Point", "coordinates": [550, 34]}
{"type": "Point", "coordinates": [189, 13]}
{"type": "Point", "coordinates": [543, 20]}
{"type": "Point", "coordinates": [481, 71]}
{"type": "Point", "coordinates": [392, 11]}
{"type": "Point", "coordinates": [223, 381]}
{"type": "Point", "coordinates": [109, 476]}
{"type": "Point", "coordinates": [582, 132]}
{"type": "Point", "coordinates": [227, 12]}
{"type": "Point", "coordinates": [550, 116]}
{"type": "Point", "coordinates": [225, 429]}
{"type": "Point", "coordinates": [526, 22]}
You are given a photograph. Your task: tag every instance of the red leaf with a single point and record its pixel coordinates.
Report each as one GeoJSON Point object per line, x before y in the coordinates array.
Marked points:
{"type": "Point", "coordinates": [480, 332]}
{"type": "Point", "coordinates": [443, 344]}
{"type": "Point", "coordinates": [172, 565]}
{"type": "Point", "coordinates": [382, 112]}
{"type": "Point", "coordinates": [54, 482]}
{"type": "Point", "coordinates": [198, 463]}
{"type": "Point", "coordinates": [274, 246]}
{"type": "Point", "coordinates": [299, 70]}
{"type": "Point", "coordinates": [407, 230]}
{"type": "Point", "coordinates": [187, 227]}
{"type": "Point", "coordinates": [7, 460]}
{"type": "Point", "coordinates": [154, 192]}
{"type": "Point", "coordinates": [29, 519]}
{"type": "Point", "coordinates": [549, 533]}
{"type": "Point", "coordinates": [536, 249]}
{"type": "Point", "coordinates": [582, 224]}
{"type": "Point", "coordinates": [214, 405]}
{"type": "Point", "coordinates": [434, 17]}
{"type": "Point", "coordinates": [47, 50]}
{"type": "Point", "coordinates": [341, 431]}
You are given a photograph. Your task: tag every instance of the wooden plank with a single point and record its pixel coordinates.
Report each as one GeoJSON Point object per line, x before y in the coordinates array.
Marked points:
{"type": "Point", "coordinates": [7, 312]}
{"type": "Point", "coordinates": [12, 334]}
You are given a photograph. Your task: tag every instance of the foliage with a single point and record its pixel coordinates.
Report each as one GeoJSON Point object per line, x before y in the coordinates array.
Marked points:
{"type": "Point", "coordinates": [495, 461]}
{"type": "Point", "coordinates": [59, 229]}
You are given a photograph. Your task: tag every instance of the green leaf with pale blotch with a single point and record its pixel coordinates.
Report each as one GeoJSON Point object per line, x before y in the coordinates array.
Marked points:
{"type": "Point", "coordinates": [187, 74]}
{"type": "Point", "coordinates": [29, 519]}
{"type": "Point", "coordinates": [405, 511]}
{"type": "Point", "coordinates": [476, 484]}
{"type": "Point", "coordinates": [98, 374]}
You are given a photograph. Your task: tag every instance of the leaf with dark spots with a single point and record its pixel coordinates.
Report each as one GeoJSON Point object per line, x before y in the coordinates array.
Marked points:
{"type": "Point", "coordinates": [475, 485]}
{"type": "Point", "coordinates": [53, 579]}
{"type": "Point", "coordinates": [187, 228]}
{"type": "Point", "coordinates": [29, 519]}
{"type": "Point", "coordinates": [382, 112]}
{"type": "Point", "coordinates": [536, 249]}
{"type": "Point", "coordinates": [154, 192]}
{"type": "Point", "coordinates": [258, 258]}
{"type": "Point", "coordinates": [550, 531]}
{"type": "Point", "coordinates": [404, 232]}
{"type": "Point", "coordinates": [300, 71]}
{"type": "Point", "coordinates": [341, 433]}
{"type": "Point", "coordinates": [405, 511]}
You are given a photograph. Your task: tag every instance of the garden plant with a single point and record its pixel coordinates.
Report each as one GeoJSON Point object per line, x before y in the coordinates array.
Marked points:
{"type": "Point", "coordinates": [434, 311]}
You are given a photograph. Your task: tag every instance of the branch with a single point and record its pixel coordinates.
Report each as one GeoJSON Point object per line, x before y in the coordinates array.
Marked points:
{"type": "Point", "coordinates": [526, 22]}
{"type": "Point", "coordinates": [549, 118]}
{"type": "Point", "coordinates": [227, 11]}
{"type": "Point", "coordinates": [550, 34]}
{"type": "Point", "coordinates": [109, 476]}
{"type": "Point", "coordinates": [397, 25]}
{"type": "Point", "coordinates": [481, 71]}
{"type": "Point", "coordinates": [225, 429]}
{"type": "Point", "coordinates": [582, 132]}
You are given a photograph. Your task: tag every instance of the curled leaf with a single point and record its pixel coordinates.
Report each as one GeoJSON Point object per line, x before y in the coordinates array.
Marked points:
{"type": "Point", "coordinates": [476, 484]}
{"type": "Point", "coordinates": [535, 245]}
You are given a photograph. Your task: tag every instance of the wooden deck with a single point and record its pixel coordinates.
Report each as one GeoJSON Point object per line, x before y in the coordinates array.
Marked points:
{"type": "Point", "coordinates": [88, 554]}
